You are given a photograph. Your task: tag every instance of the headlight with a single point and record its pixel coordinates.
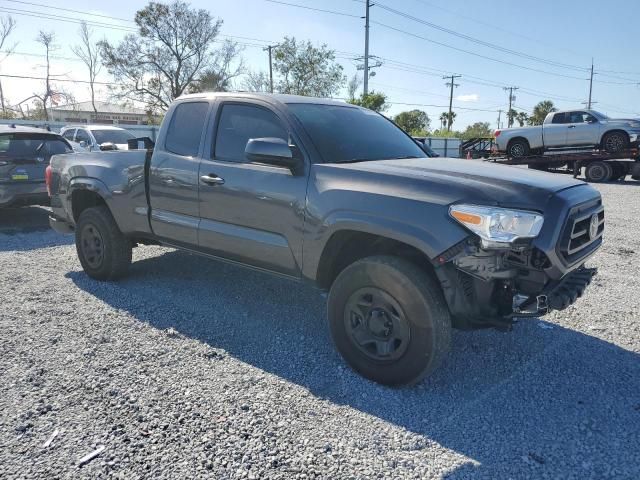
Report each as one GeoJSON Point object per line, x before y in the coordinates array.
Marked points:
{"type": "Point", "coordinates": [634, 124]}
{"type": "Point", "coordinates": [498, 227]}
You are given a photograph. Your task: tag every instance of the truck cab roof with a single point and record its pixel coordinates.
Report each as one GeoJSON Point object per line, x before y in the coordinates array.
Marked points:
{"type": "Point", "coordinates": [274, 98]}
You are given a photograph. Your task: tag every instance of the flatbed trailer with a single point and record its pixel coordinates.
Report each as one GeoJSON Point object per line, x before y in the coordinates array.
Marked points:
{"type": "Point", "coordinates": [598, 165]}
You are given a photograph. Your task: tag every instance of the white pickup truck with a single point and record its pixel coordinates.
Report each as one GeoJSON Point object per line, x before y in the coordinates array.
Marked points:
{"type": "Point", "coordinates": [570, 129]}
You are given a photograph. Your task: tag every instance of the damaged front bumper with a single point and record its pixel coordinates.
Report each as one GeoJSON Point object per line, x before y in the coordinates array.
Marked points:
{"type": "Point", "coordinates": [491, 287]}
{"type": "Point", "coordinates": [555, 296]}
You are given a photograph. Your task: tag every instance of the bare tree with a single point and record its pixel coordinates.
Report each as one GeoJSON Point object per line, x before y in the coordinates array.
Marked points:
{"type": "Point", "coordinates": [226, 65]}
{"type": "Point", "coordinates": [87, 51]}
{"type": "Point", "coordinates": [7, 25]}
{"type": "Point", "coordinates": [353, 86]}
{"type": "Point", "coordinates": [51, 93]}
{"type": "Point", "coordinates": [256, 82]}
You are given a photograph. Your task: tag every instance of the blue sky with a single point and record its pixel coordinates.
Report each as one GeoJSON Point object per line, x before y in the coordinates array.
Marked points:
{"type": "Point", "coordinates": [565, 35]}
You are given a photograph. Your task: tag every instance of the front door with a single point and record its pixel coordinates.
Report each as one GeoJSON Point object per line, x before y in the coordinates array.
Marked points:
{"type": "Point", "coordinates": [250, 212]}
{"type": "Point", "coordinates": [173, 175]}
{"type": "Point", "coordinates": [583, 129]}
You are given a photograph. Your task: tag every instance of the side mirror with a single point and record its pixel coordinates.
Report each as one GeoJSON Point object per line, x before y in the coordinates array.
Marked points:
{"type": "Point", "coordinates": [107, 146]}
{"type": "Point", "coordinates": [272, 151]}
{"type": "Point", "coordinates": [83, 143]}
{"type": "Point", "coordinates": [592, 120]}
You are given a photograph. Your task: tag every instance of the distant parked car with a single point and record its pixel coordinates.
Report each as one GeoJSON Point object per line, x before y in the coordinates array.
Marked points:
{"type": "Point", "coordinates": [576, 128]}
{"type": "Point", "coordinates": [97, 137]}
{"type": "Point", "coordinates": [24, 155]}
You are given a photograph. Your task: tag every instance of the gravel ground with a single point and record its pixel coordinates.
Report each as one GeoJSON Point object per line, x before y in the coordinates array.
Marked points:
{"type": "Point", "coordinates": [191, 369]}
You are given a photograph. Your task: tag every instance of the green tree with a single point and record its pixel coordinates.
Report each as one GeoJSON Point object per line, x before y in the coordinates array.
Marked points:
{"type": "Point", "coordinates": [477, 130]}
{"type": "Point", "coordinates": [306, 70]}
{"type": "Point", "coordinates": [511, 117]}
{"type": "Point", "coordinates": [443, 120]}
{"type": "Point", "coordinates": [540, 111]}
{"type": "Point", "coordinates": [522, 118]}
{"type": "Point", "coordinates": [415, 122]}
{"type": "Point", "coordinates": [446, 121]}
{"type": "Point", "coordinates": [171, 51]}
{"type": "Point", "coordinates": [376, 101]}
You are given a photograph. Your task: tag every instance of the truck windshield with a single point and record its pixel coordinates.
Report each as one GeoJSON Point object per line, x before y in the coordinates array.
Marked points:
{"type": "Point", "coordinates": [349, 134]}
{"type": "Point", "coordinates": [111, 136]}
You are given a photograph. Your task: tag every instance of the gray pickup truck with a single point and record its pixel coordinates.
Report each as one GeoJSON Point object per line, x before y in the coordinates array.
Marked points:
{"type": "Point", "coordinates": [317, 190]}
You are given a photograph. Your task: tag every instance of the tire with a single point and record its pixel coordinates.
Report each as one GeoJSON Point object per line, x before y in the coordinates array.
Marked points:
{"type": "Point", "coordinates": [598, 172]}
{"type": "Point", "coordinates": [389, 320]}
{"type": "Point", "coordinates": [104, 252]}
{"type": "Point", "coordinates": [615, 142]}
{"type": "Point", "coordinates": [619, 171]}
{"type": "Point", "coordinates": [517, 148]}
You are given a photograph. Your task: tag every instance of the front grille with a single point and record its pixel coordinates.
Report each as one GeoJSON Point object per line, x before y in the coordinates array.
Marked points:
{"type": "Point", "coordinates": [579, 238]}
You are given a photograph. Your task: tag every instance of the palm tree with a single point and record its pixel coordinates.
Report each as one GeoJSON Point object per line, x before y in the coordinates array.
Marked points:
{"type": "Point", "coordinates": [522, 118]}
{"type": "Point", "coordinates": [443, 120]}
{"type": "Point", "coordinates": [540, 111]}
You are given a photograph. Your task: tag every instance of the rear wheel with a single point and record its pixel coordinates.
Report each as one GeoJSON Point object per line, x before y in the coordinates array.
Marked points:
{"type": "Point", "coordinates": [615, 142]}
{"type": "Point", "coordinates": [598, 172]}
{"type": "Point", "coordinates": [518, 147]}
{"type": "Point", "coordinates": [389, 320]}
{"type": "Point", "coordinates": [104, 252]}
{"type": "Point", "coordinates": [619, 171]}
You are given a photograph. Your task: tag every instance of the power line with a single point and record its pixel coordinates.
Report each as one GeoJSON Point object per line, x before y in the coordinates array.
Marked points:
{"type": "Point", "coordinates": [479, 41]}
{"type": "Point", "coordinates": [33, 4]}
{"type": "Point", "coordinates": [296, 5]}
{"type": "Point", "coordinates": [397, 65]}
{"type": "Point", "coordinates": [474, 53]}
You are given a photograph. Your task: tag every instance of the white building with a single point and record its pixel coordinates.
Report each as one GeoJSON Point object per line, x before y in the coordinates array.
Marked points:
{"type": "Point", "coordinates": [108, 114]}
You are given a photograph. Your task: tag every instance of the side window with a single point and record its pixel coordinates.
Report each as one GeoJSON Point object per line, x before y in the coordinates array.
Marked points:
{"type": "Point", "coordinates": [57, 147]}
{"type": "Point", "coordinates": [578, 117]}
{"type": "Point", "coordinates": [185, 129]}
{"type": "Point", "coordinates": [559, 118]}
{"type": "Point", "coordinates": [82, 136]}
{"type": "Point", "coordinates": [68, 134]}
{"type": "Point", "coordinates": [238, 124]}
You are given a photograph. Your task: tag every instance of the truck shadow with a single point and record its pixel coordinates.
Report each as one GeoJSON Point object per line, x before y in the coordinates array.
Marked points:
{"type": "Point", "coordinates": [536, 401]}
{"type": "Point", "coordinates": [27, 228]}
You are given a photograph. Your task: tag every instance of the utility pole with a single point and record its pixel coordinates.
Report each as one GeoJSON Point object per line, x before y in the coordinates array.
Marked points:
{"type": "Point", "coordinates": [269, 48]}
{"type": "Point", "coordinates": [365, 88]}
{"type": "Point", "coordinates": [451, 84]}
{"type": "Point", "coordinates": [499, 115]}
{"type": "Point", "coordinates": [590, 85]}
{"type": "Point", "coordinates": [512, 99]}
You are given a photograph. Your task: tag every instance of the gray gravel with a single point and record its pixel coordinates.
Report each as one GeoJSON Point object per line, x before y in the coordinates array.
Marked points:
{"type": "Point", "coordinates": [190, 368]}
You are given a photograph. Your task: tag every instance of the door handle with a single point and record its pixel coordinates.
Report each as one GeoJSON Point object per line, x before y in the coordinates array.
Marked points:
{"type": "Point", "coordinates": [571, 126]}
{"type": "Point", "coordinates": [212, 179]}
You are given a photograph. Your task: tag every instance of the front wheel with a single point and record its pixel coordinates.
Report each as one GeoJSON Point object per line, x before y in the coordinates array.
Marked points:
{"type": "Point", "coordinates": [389, 320]}
{"type": "Point", "coordinates": [104, 252]}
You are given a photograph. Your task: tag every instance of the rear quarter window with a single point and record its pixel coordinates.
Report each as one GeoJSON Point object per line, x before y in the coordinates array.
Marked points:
{"type": "Point", "coordinates": [185, 129]}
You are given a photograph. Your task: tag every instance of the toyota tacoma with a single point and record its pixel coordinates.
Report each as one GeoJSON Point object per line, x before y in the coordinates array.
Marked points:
{"type": "Point", "coordinates": [320, 191]}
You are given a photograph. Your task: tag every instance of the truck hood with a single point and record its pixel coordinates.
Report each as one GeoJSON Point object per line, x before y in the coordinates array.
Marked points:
{"type": "Point", "coordinates": [449, 180]}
